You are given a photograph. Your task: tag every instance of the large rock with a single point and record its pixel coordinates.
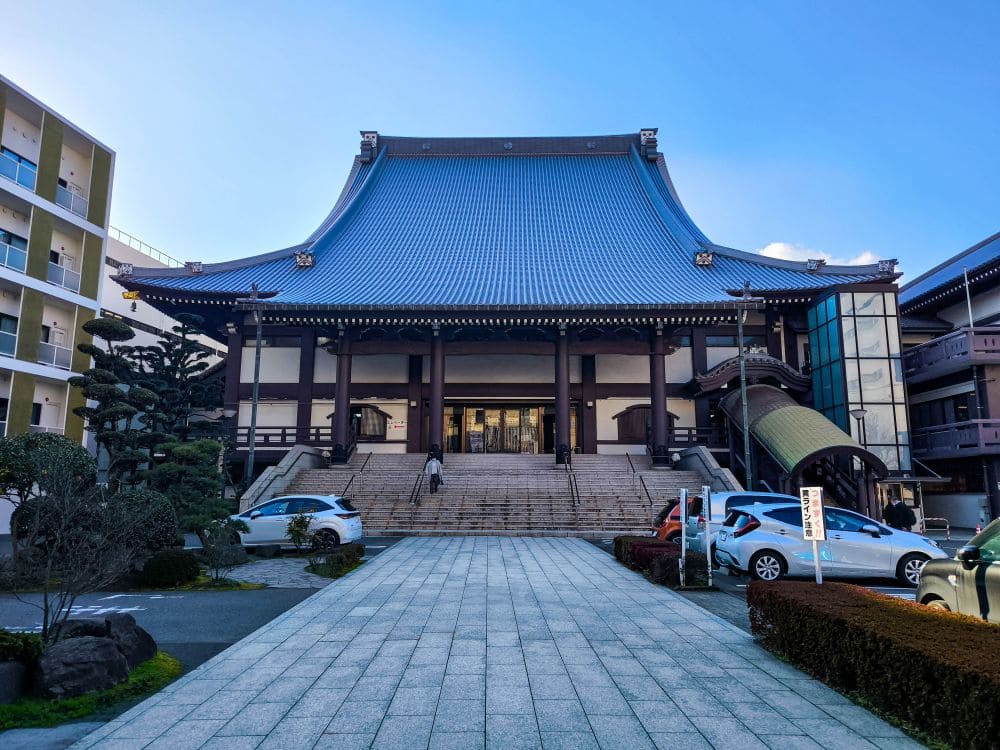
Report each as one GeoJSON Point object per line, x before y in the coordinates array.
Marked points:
{"type": "Point", "coordinates": [75, 628]}
{"type": "Point", "coordinates": [11, 681]}
{"type": "Point", "coordinates": [79, 665]}
{"type": "Point", "coordinates": [135, 643]}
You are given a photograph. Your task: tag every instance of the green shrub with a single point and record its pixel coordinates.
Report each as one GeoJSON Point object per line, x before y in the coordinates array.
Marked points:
{"type": "Point", "coordinates": [664, 568]}
{"type": "Point", "coordinates": [339, 562]}
{"type": "Point", "coordinates": [934, 671]}
{"type": "Point", "coordinates": [160, 528]}
{"type": "Point", "coordinates": [22, 647]}
{"type": "Point", "coordinates": [170, 567]}
{"type": "Point", "coordinates": [298, 529]}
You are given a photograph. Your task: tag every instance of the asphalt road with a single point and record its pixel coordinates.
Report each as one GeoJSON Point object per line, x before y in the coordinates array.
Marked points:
{"type": "Point", "coordinates": [192, 625]}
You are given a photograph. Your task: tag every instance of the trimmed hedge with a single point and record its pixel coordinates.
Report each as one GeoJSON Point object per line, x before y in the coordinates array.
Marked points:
{"type": "Point", "coordinates": [622, 543]}
{"type": "Point", "coordinates": [22, 647]}
{"type": "Point", "coordinates": [936, 671]}
{"type": "Point", "coordinates": [170, 567]}
{"type": "Point", "coordinates": [665, 571]}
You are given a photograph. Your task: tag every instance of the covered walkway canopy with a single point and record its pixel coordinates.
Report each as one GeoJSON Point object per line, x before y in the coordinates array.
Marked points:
{"type": "Point", "coordinates": [794, 436]}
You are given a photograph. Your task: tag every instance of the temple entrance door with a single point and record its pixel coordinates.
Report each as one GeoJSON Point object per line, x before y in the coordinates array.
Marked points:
{"type": "Point", "coordinates": [502, 429]}
{"type": "Point", "coordinates": [549, 432]}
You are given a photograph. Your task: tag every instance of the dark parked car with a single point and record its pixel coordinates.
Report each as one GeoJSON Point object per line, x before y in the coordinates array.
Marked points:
{"type": "Point", "coordinates": [969, 583]}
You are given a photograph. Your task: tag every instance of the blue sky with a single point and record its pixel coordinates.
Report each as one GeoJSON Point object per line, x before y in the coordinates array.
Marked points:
{"type": "Point", "coordinates": [816, 128]}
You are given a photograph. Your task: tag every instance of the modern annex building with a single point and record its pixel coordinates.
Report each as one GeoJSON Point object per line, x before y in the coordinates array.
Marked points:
{"type": "Point", "coordinates": [547, 295]}
{"type": "Point", "coordinates": [55, 194]}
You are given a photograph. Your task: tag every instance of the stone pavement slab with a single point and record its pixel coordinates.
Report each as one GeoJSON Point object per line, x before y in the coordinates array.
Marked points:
{"type": "Point", "coordinates": [495, 642]}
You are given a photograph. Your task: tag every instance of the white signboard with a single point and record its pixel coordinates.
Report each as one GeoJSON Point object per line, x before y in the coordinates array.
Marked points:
{"type": "Point", "coordinates": [395, 429]}
{"type": "Point", "coordinates": [813, 526]}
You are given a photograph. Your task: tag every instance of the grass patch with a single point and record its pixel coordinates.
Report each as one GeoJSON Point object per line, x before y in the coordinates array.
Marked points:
{"type": "Point", "coordinates": [144, 680]}
{"type": "Point", "coordinates": [205, 583]}
{"type": "Point", "coordinates": [328, 571]}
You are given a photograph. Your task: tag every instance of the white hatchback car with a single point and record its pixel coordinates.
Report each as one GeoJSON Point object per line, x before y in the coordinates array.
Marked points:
{"type": "Point", "coordinates": [767, 541]}
{"type": "Point", "coordinates": [335, 520]}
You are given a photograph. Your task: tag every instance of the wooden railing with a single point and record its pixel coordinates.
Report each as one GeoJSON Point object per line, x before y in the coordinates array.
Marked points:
{"type": "Point", "coordinates": [951, 353]}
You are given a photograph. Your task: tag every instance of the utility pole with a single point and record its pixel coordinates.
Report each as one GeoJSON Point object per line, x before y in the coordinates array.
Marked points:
{"type": "Point", "coordinates": [747, 298]}
{"type": "Point", "coordinates": [255, 300]}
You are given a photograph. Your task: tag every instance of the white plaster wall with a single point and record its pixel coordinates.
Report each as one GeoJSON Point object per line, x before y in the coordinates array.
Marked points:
{"type": "Point", "coordinates": [680, 365]}
{"type": "Point", "coordinates": [719, 354]}
{"type": "Point", "coordinates": [68, 244]}
{"type": "Point", "coordinates": [21, 136]}
{"type": "Point", "coordinates": [10, 302]}
{"type": "Point", "coordinates": [502, 368]}
{"type": "Point", "coordinates": [983, 306]}
{"type": "Point", "coordinates": [52, 397]}
{"type": "Point", "coordinates": [378, 368]}
{"type": "Point", "coordinates": [607, 426]}
{"type": "Point", "coordinates": [320, 413]}
{"type": "Point", "coordinates": [622, 368]}
{"type": "Point", "coordinates": [324, 367]}
{"type": "Point", "coordinates": [802, 341]}
{"type": "Point", "coordinates": [684, 409]}
{"type": "Point", "coordinates": [14, 222]}
{"type": "Point", "coordinates": [74, 167]}
{"type": "Point", "coordinates": [278, 364]}
{"type": "Point", "coordinates": [60, 318]}
{"type": "Point", "coordinates": [269, 413]}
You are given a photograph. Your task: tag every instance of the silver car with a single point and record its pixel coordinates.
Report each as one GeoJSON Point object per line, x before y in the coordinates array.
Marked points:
{"type": "Point", "coordinates": [722, 503]}
{"type": "Point", "coordinates": [767, 541]}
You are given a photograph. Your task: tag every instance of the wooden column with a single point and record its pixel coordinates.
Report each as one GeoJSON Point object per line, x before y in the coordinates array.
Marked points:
{"type": "Point", "coordinates": [658, 398]}
{"type": "Point", "coordinates": [699, 354]}
{"type": "Point", "coordinates": [414, 412]}
{"type": "Point", "coordinates": [563, 447]}
{"type": "Point", "coordinates": [436, 437]}
{"type": "Point", "coordinates": [234, 359]}
{"type": "Point", "coordinates": [588, 392]}
{"type": "Point", "coordinates": [307, 363]}
{"type": "Point", "coordinates": [342, 443]}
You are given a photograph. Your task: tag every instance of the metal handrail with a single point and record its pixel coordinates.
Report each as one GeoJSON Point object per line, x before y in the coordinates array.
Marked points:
{"type": "Point", "coordinates": [20, 262]}
{"type": "Point", "coordinates": [645, 489]}
{"type": "Point", "coordinates": [573, 489]}
{"type": "Point", "coordinates": [947, 526]}
{"type": "Point", "coordinates": [343, 492]}
{"type": "Point", "coordinates": [55, 355]}
{"type": "Point", "coordinates": [631, 465]}
{"type": "Point", "coordinates": [136, 244]}
{"type": "Point", "coordinates": [12, 170]}
{"type": "Point", "coordinates": [415, 492]}
{"type": "Point", "coordinates": [361, 470]}
{"type": "Point", "coordinates": [64, 277]}
{"type": "Point", "coordinates": [76, 203]}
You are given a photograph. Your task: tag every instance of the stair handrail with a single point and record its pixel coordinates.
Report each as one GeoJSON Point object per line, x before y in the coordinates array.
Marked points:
{"type": "Point", "coordinates": [631, 465]}
{"type": "Point", "coordinates": [642, 483]}
{"type": "Point", "coordinates": [415, 492]}
{"type": "Point", "coordinates": [370, 454]}
{"type": "Point", "coordinates": [343, 492]}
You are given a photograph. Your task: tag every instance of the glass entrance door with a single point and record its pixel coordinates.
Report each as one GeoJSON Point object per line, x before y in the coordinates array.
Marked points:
{"type": "Point", "coordinates": [499, 429]}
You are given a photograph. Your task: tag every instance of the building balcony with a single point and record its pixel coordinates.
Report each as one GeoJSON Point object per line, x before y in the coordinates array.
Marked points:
{"type": "Point", "coordinates": [952, 353]}
{"type": "Point", "coordinates": [37, 428]}
{"type": "Point", "coordinates": [21, 173]}
{"type": "Point", "coordinates": [13, 257]}
{"type": "Point", "coordinates": [55, 355]}
{"type": "Point", "coordinates": [70, 200]}
{"type": "Point", "coordinates": [975, 437]}
{"type": "Point", "coordinates": [283, 437]}
{"type": "Point", "coordinates": [64, 277]}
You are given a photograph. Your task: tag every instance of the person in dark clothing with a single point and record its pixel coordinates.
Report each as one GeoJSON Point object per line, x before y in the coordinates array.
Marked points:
{"type": "Point", "coordinates": [898, 515]}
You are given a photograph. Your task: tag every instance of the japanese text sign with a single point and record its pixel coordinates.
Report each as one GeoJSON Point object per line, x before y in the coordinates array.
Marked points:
{"type": "Point", "coordinates": [813, 526]}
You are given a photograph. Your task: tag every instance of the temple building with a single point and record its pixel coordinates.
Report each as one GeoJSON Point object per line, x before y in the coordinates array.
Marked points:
{"type": "Point", "coordinates": [547, 295]}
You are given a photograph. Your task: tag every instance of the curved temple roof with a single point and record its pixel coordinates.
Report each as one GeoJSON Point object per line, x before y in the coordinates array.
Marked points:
{"type": "Point", "coordinates": [503, 223]}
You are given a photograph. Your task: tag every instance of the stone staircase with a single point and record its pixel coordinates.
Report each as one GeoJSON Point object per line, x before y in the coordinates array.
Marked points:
{"type": "Point", "coordinates": [524, 495]}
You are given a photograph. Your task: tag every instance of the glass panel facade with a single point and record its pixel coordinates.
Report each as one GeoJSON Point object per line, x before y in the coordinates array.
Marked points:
{"type": "Point", "coordinates": [872, 377]}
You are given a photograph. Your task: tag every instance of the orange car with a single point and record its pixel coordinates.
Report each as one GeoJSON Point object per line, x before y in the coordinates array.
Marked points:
{"type": "Point", "coordinates": [668, 523]}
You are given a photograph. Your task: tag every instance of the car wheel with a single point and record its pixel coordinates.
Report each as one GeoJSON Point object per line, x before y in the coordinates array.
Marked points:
{"type": "Point", "coordinates": [327, 539]}
{"type": "Point", "coordinates": [938, 604]}
{"type": "Point", "coordinates": [909, 567]}
{"type": "Point", "coordinates": [675, 538]}
{"type": "Point", "coordinates": [767, 566]}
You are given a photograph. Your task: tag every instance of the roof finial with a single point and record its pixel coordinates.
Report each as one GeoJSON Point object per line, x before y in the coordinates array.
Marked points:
{"type": "Point", "coordinates": [647, 143]}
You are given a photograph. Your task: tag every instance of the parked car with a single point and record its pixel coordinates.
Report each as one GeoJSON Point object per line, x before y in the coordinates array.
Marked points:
{"type": "Point", "coordinates": [335, 520]}
{"type": "Point", "coordinates": [767, 542]}
{"type": "Point", "coordinates": [722, 503]}
{"type": "Point", "coordinates": [969, 583]}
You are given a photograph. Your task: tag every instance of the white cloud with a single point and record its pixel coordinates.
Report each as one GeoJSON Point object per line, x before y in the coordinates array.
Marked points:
{"type": "Point", "coordinates": [789, 251]}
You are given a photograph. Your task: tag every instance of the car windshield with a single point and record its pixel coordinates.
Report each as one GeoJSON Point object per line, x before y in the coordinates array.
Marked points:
{"type": "Point", "coordinates": [989, 543]}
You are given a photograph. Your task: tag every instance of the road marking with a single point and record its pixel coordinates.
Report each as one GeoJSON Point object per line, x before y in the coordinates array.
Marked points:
{"type": "Point", "coordinates": [139, 596]}
{"type": "Point", "coordinates": [376, 546]}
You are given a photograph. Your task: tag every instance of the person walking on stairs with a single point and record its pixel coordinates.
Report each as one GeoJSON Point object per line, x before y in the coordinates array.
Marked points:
{"type": "Point", "coordinates": [434, 472]}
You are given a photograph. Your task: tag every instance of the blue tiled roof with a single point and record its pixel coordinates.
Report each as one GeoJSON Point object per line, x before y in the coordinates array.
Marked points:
{"type": "Point", "coordinates": [481, 222]}
{"type": "Point", "coordinates": [951, 272]}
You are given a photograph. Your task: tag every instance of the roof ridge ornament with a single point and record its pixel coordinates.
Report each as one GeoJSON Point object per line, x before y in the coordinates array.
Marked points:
{"type": "Point", "coordinates": [304, 259]}
{"type": "Point", "coordinates": [704, 258]}
{"type": "Point", "coordinates": [194, 266]}
{"type": "Point", "coordinates": [647, 143]}
{"type": "Point", "coordinates": [887, 265]}
{"type": "Point", "coordinates": [815, 265]}
{"type": "Point", "coordinates": [369, 145]}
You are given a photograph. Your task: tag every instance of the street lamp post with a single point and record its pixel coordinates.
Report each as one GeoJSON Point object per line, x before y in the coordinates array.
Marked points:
{"type": "Point", "coordinates": [252, 435]}
{"type": "Point", "coordinates": [859, 414]}
{"type": "Point", "coordinates": [747, 298]}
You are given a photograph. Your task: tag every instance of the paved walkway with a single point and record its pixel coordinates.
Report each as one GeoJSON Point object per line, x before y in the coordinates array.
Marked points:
{"type": "Point", "coordinates": [495, 642]}
{"type": "Point", "coordinates": [280, 572]}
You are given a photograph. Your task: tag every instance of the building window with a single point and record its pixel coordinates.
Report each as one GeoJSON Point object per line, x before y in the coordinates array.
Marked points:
{"type": "Point", "coordinates": [8, 334]}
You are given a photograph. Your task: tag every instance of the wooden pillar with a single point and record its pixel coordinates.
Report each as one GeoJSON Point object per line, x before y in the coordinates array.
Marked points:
{"type": "Point", "coordinates": [699, 355]}
{"type": "Point", "coordinates": [234, 358]}
{"type": "Point", "coordinates": [588, 393]}
{"type": "Point", "coordinates": [414, 412]}
{"type": "Point", "coordinates": [307, 363]}
{"type": "Point", "coordinates": [342, 443]}
{"type": "Point", "coordinates": [563, 447]}
{"type": "Point", "coordinates": [658, 398]}
{"type": "Point", "coordinates": [436, 437]}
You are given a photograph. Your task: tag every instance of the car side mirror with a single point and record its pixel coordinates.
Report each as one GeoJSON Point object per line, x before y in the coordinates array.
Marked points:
{"type": "Point", "coordinates": [255, 514]}
{"type": "Point", "coordinates": [968, 553]}
{"type": "Point", "coordinates": [872, 529]}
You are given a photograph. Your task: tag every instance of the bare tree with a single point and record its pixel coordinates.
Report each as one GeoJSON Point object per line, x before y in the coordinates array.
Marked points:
{"type": "Point", "coordinates": [73, 540]}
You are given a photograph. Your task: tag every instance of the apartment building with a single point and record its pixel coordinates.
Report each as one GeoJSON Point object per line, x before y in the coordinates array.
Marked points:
{"type": "Point", "coordinates": [55, 194]}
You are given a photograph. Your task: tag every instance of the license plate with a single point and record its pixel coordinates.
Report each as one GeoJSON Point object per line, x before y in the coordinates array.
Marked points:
{"type": "Point", "coordinates": [722, 535]}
